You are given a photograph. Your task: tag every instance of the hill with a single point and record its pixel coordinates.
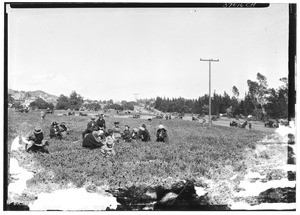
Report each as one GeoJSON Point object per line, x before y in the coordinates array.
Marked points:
{"type": "Point", "coordinates": [32, 95]}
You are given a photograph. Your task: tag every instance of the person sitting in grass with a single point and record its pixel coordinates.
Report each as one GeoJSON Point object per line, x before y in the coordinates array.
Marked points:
{"type": "Point", "coordinates": [94, 140]}
{"type": "Point", "coordinates": [101, 122]}
{"type": "Point", "coordinates": [64, 129]}
{"type": "Point", "coordinates": [135, 134]}
{"type": "Point", "coordinates": [55, 131]}
{"type": "Point", "coordinates": [144, 134]}
{"type": "Point", "coordinates": [108, 148]}
{"type": "Point", "coordinates": [126, 135]}
{"type": "Point", "coordinates": [91, 126]}
{"type": "Point", "coordinates": [117, 131]}
{"type": "Point", "coordinates": [35, 142]}
{"type": "Point", "coordinates": [161, 134]}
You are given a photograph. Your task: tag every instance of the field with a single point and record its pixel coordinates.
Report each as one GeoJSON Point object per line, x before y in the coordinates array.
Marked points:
{"type": "Point", "coordinates": [195, 153]}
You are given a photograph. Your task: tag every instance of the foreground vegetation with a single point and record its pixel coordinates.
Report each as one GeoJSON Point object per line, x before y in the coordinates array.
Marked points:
{"type": "Point", "coordinates": [194, 151]}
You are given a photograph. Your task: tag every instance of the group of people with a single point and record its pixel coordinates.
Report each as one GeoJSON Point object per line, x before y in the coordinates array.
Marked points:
{"type": "Point", "coordinates": [96, 135]}
{"type": "Point", "coordinates": [34, 139]}
{"type": "Point", "coordinates": [105, 140]}
{"type": "Point", "coordinates": [58, 131]}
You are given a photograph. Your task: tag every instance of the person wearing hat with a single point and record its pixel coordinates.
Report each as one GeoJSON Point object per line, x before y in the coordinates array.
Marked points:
{"type": "Point", "coordinates": [55, 131]}
{"type": "Point", "coordinates": [161, 134]}
{"type": "Point", "coordinates": [64, 130]}
{"type": "Point", "coordinates": [108, 147]}
{"type": "Point", "coordinates": [144, 134]}
{"type": "Point", "coordinates": [91, 126]}
{"type": "Point", "coordinates": [126, 135]}
{"type": "Point", "coordinates": [35, 141]}
{"type": "Point", "coordinates": [101, 122]}
{"type": "Point", "coordinates": [135, 134]}
{"type": "Point", "coordinates": [94, 139]}
{"type": "Point", "coordinates": [117, 131]}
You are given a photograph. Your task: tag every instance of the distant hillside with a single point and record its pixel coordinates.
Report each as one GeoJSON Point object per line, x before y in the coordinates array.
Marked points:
{"type": "Point", "coordinates": [32, 95]}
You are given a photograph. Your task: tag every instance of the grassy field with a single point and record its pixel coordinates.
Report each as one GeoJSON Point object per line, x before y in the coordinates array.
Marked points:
{"type": "Point", "coordinates": [194, 152]}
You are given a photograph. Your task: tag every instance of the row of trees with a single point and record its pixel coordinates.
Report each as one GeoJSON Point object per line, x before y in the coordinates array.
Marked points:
{"type": "Point", "coordinates": [260, 101]}
{"type": "Point", "coordinates": [74, 102]}
{"type": "Point", "coordinates": [123, 106]}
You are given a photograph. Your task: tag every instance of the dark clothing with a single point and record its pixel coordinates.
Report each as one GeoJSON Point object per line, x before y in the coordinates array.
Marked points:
{"type": "Point", "coordinates": [35, 148]}
{"type": "Point", "coordinates": [38, 142]}
{"type": "Point", "coordinates": [101, 123]}
{"type": "Point", "coordinates": [36, 138]}
{"type": "Point", "coordinates": [134, 135]}
{"type": "Point", "coordinates": [91, 126]}
{"type": "Point", "coordinates": [90, 142]}
{"type": "Point", "coordinates": [126, 135]}
{"type": "Point", "coordinates": [55, 133]}
{"type": "Point", "coordinates": [64, 128]}
{"type": "Point", "coordinates": [162, 136]}
{"type": "Point", "coordinates": [144, 135]}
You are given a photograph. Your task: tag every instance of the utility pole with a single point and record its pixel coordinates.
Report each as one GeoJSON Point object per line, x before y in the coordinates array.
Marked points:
{"type": "Point", "coordinates": [135, 96]}
{"type": "Point", "coordinates": [209, 60]}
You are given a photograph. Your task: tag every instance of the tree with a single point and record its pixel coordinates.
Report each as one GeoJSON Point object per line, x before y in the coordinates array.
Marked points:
{"type": "Point", "coordinates": [62, 103]}
{"type": "Point", "coordinates": [253, 91]}
{"type": "Point", "coordinates": [17, 105]}
{"type": "Point", "coordinates": [113, 106]}
{"type": "Point", "coordinates": [263, 89]}
{"type": "Point", "coordinates": [229, 111]}
{"type": "Point", "coordinates": [93, 106]}
{"type": "Point", "coordinates": [277, 106]}
{"type": "Point", "coordinates": [235, 91]}
{"type": "Point", "coordinates": [75, 101]}
{"type": "Point", "coordinates": [248, 105]}
{"type": "Point", "coordinates": [128, 105]}
{"type": "Point", "coordinates": [215, 104]}
{"type": "Point", "coordinates": [259, 93]}
{"type": "Point", "coordinates": [205, 109]}
{"type": "Point", "coordinates": [40, 104]}
{"type": "Point", "coordinates": [284, 87]}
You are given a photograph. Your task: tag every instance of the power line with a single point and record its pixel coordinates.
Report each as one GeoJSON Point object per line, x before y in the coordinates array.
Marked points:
{"type": "Point", "coordinates": [135, 94]}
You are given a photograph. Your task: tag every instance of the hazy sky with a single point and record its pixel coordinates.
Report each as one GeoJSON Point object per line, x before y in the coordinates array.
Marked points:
{"type": "Point", "coordinates": [114, 53]}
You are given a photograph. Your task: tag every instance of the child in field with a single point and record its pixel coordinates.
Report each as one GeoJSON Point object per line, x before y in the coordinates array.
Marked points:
{"type": "Point", "coordinates": [135, 134]}
{"type": "Point", "coordinates": [101, 122]}
{"type": "Point", "coordinates": [144, 134]}
{"type": "Point", "coordinates": [117, 131]}
{"type": "Point", "coordinates": [161, 134]}
{"type": "Point", "coordinates": [108, 148]}
{"type": "Point", "coordinates": [55, 131]}
{"type": "Point", "coordinates": [64, 129]}
{"type": "Point", "coordinates": [126, 134]}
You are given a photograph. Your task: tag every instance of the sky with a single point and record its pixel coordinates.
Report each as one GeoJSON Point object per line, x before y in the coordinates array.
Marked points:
{"type": "Point", "coordinates": [114, 53]}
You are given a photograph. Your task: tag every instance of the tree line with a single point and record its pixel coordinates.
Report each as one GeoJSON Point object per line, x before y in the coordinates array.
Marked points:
{"type": "Point", "coordinates": [73, 102]}
{"type": "Point", "coordinates": [260, 101]}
